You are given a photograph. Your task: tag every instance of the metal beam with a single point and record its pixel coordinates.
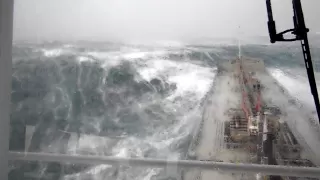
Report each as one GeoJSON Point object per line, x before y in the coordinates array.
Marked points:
{"type": "Point", "coordinates": [6, 23]}
{"type": "Point", "coordinates": [203, 165]}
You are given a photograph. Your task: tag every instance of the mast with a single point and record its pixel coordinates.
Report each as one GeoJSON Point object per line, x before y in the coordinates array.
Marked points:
{"type": "Point", "coordinates": [239, 44]}
{"type": "Point", "coordinates": [6, 28]}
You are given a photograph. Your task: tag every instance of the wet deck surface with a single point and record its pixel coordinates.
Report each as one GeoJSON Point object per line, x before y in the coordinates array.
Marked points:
{"type": "Point", "coordinates": [212, 134]}
{"type": "Point", "coordinates": [305, 132]}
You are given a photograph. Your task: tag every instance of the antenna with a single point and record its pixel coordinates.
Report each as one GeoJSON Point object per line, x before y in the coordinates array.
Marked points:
{"type": "Point", "coordinates": [239, 42]}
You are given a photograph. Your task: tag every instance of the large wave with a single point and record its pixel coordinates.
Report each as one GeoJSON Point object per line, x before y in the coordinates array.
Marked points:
{"type": "Point", "coordinates": [122, 101]}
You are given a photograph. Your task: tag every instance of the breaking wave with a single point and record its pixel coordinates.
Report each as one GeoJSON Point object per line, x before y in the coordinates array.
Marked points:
{"type": "Point", "coordinates": [121, 100]}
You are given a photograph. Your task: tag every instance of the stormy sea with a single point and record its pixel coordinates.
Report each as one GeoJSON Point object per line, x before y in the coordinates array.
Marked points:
{"type": "Point", "coordinates": [125, 100]}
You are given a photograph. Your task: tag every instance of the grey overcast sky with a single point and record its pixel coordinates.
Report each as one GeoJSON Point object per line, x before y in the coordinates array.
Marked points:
{"type": "Point", "coordinates": [151, 19]}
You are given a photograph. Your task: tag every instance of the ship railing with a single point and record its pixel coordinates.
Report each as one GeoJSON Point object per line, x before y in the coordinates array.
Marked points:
{"type": "Point", "coordinates": [195, 140]}
{"type": "Point", "coordinates": [310, 153]}
{"type": "Point", "coordinates": [169, 164]}
{"type": "Point", "coordinates": [292, 161]}
{"type": "Point", "coordinates": [314, 124]}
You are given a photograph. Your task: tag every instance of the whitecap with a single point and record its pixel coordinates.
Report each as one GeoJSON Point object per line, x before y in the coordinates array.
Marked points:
{"type": "Point", "coordinates": [52, 52]}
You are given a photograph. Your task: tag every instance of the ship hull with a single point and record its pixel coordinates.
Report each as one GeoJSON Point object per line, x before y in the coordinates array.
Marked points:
{"type": "Point", "coordinates": [240, 125]}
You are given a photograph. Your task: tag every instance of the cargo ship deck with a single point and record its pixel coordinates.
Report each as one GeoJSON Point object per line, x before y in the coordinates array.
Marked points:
{"type": "Point", "coordinates": [251, 129]}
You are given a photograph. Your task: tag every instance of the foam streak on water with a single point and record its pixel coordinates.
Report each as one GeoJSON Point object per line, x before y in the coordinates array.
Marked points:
{"type": "Point", "coordinates": [129, 100]}
{"type": "Point", "coordinates": [296, 84]}
{"type": "Point", "coordinates": [192, 82]}
{"type": "Point", "coordinates": [123, 101]}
